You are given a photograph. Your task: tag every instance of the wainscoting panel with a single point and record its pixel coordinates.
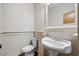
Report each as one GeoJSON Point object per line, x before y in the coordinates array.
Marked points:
{"type": "Point", "coordinates": [12, 43]}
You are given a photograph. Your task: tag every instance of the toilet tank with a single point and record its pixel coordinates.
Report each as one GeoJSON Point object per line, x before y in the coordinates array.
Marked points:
{"type": "Point", "coordinates": [34, 41]}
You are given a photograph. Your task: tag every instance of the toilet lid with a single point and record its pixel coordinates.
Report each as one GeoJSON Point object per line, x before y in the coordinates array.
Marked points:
{"type": "Point", "coordinates": [28, 48]}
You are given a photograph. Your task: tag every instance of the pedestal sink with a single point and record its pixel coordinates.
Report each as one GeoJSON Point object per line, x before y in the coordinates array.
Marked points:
{"type": "Point", "coordinates": [56, 46]}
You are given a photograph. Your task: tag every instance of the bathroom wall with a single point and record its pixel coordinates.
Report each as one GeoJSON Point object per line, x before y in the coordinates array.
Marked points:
{"type": "Point", "coordinates": [78, 28]}
{"type": "Point", "coordinates": [12, 43]}
{"type": "Point", "coordinates": [56, 13]}
{"type": "Point", "coordinates": [39, 25]}
{"type": "Point", "coordinates": [39, 17]}
{"type": "Point", "coordinates": [15, 19]}
{"type": "Point", "coordinates": [0, 17]}
{"type": "Point", "coordinates": [0, 20]}
{"type": "Point", "coordinates": [26, 38]}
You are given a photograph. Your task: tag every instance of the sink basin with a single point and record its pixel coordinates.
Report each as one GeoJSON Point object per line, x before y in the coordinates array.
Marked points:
{"type": "Point", "coordinates": [57, 45]}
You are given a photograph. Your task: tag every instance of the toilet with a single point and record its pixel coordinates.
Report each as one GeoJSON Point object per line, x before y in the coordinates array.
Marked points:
{"type": "Point", "coordinates": [30, 49]}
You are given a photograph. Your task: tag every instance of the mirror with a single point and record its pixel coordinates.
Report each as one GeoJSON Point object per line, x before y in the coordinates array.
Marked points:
{"type": "Point", "coordinates": [61, 14]}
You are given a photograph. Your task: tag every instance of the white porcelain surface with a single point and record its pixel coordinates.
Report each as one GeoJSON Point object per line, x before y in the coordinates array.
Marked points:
{"type": "Point", "coordinates": [28, 48]}
{"type": "Point", "coordinates": [60, 46]}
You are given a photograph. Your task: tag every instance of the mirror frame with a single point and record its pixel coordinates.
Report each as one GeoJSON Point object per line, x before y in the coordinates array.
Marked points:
{"type": "Point", "coordinates": [46, 15]}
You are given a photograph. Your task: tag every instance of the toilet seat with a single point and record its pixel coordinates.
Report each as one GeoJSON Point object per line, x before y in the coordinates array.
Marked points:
{"type": "Point", "coordinates": [28, 48]}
